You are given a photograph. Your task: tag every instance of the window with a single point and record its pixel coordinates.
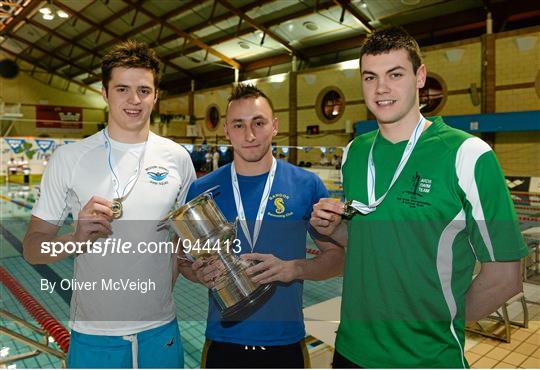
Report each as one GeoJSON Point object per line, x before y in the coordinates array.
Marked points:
{"type": "Point", "coordinates": [212, 117]}
{"type": "Point", "coordinates": [330, 104]}
{"type": "Point", "coordinates": [432, 95]}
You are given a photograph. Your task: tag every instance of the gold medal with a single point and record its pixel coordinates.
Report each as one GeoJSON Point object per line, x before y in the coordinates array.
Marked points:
{"type": "Point", "coordinates": [116, 208]}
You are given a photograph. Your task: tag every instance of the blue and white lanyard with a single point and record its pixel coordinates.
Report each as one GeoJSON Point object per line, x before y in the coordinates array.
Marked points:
{"type": "Point", "coordinates": [372, 202]}
{"type": "Point", "coordinates": [262, 205]}
{"type": "Point", "coordinates": [112, 164]}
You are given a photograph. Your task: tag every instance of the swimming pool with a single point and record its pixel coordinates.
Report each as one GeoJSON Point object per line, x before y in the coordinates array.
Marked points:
{"type": "Point", "coordinates": [191, 299]}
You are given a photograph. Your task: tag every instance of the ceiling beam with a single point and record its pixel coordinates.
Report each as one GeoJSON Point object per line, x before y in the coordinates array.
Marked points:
{"type": "Point", "coordinates": [114, 35]}
{"type": "Point", "coordinates": [434, 24]}
{"type": "Point", "coordinates": [525, 15]}
{"type": "Point", "coordinates": [218, 40]}
{"type": "Point", "coordinates": [262, 28]}
{"type": "Point", "coordinates": [415, 29]}
{"type": "Point", "coordinates": [46, 52]}
{"type": "Point", "coordinates": [139, 29]}
{"type": "Point", "coordinates": [21, 17]}
{"type": "Point", "coordinates": [330, 47]}
{"type": "Point", "coordinates": [33, 62]}
{"type": "Point", "coordinates": [502, 11]}
{"type": "Point", "coordinates": [60, 25]}
{"type": "Point", "coordinates": [233, 63]}
{"type": "Point", "coordinates": [471, 17]}
{"type": "Point", "coordinates": [362, 19]}
{"type": "Point", "coordinates": [61, 37]}
{"type": "Point", "coordinates": [313, 51]}
{"type": "Point", "coordinates": [204, 24]}
{"type": "Point", "coordinates": [91, 30]}
{"type": "Point", "coordinates": [463, 24]}
{"type": "Point", "coordinates": [84, 18]}
{"type": "Point", "coordinates": [192, 29]}
{"type": "Point", "coordinates": [267, 62]}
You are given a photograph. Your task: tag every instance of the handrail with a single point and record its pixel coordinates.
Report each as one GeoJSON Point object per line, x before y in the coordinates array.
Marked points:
{"type": "Point", "coordinates": [49, 325]}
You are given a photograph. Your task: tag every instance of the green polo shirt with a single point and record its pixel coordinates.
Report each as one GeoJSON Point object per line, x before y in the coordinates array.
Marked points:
{"type": "Point", "coordinates": [409, 264]}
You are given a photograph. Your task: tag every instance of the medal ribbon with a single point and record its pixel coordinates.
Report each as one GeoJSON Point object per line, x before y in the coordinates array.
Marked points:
{"type": "Point", "coordinates": [132, 180]}
{"type": "Point", "coordinates": [372, 202]}
{"type": "Point", "coordinates": [262, 205]}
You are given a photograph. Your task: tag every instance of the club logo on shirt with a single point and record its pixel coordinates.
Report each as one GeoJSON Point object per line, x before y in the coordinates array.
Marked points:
{"type": "Point", "coordinates": [157, 175]}
{"type": "Point", "coordinates": [280, 207]}
{"type": "Point", "coordinates": [279, 204]}
{"type": "Point", "coordinates": [419, 187]}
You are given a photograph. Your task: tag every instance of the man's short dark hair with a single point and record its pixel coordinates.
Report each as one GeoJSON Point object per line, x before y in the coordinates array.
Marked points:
{"type": "Point", "coordinates": [393, 38]}
{"type": "Point", "coordinates": [246, 91]}
{"type": "Point", "coordinates": [130, 54]}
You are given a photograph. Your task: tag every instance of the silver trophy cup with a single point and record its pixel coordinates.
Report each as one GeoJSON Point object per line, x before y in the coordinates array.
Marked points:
{"type": "Point", "coordinates": [201, 225]}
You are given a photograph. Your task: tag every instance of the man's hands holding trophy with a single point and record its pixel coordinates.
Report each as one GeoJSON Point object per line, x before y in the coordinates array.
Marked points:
{"type": "Point", "coordinates": [208, 270]}
{"type": "Point", "coordinates": [261, 268]}
{"type": "Point", "coordinates": [267, 268]}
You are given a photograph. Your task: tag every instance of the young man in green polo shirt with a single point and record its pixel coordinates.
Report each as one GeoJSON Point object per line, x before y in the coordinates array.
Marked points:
{"type": "Point", "coordinates": [428, 201]}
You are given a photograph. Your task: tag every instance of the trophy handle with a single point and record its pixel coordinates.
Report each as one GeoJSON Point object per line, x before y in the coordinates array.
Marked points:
{"type": "Point", "coordinates": [165, 221]}
{"type": "Point", "coordinates": [210, 191]}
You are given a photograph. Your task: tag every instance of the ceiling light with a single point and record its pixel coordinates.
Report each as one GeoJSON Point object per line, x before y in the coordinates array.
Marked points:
{"type": "Point", "coordinates": [251, 82]}
{"type": "Point", "coordinates": [48, 17]}
{"type": "Point", "coordinates": [243, 44]}
{"type": "Point", "coordinates": [349, 64]}
{"type": "Point", "coordinates": [312, 26]}
{"type": "Point", "coordinates": [278, 78]}
{"type": "Point", "coordinates": [45, 10]}
{"type": "Point", "coordinates": [62, 14]}
{"type": "Point", "coordinates": [363, 4]}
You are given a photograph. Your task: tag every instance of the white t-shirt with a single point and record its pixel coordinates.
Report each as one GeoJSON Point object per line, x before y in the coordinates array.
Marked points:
{"type": "Point", "coordinates": [80, 170]}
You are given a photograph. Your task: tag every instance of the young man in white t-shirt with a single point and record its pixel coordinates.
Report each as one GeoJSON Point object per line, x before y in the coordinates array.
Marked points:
{"type": "Point", "coordinates": [117, 184]}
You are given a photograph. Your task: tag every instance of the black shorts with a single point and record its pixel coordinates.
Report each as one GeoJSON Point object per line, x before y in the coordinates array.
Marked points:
{"type": "Point", "coordinates": [340, 362]}
{"type": "Point", "coordinates": [231, 355]}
